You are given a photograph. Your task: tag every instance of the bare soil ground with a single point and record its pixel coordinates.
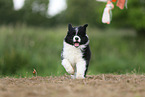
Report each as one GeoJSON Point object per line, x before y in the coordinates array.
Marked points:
{"type": "Point", "coordinates": [93, 86]}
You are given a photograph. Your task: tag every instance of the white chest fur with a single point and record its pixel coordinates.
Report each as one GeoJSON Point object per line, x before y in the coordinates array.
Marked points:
{"type": "Point", "coordinates": [72, 53]}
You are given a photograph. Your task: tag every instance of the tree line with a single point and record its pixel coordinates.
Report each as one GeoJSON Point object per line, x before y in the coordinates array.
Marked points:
{"type": "Point", "coordinates": [34, 12]}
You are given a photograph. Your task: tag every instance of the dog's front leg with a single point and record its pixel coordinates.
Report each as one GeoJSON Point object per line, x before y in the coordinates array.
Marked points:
{"type": "Point", "coordinates": [81, 68]}
{"type": "Point", "coordinates": [68, 67]}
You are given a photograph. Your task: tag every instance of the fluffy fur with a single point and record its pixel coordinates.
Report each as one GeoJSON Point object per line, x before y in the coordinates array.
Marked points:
{"type": "Point", "coordinates": [76, 52]}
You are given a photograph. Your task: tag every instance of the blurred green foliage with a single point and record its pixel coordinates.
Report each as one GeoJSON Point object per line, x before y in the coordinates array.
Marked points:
{"type": "Point", "coordinates": [23, 49]}
{"type": "Point", "coordinates": [32, 13]}
{"type": "Point", "coordinates": [114, 50]}
{"type": "Point", "coordinates": [81, 11]}
{"type": "Point", "coordinates": [78, 12]}
{"type": "Point", "coordinates": [132, 17]}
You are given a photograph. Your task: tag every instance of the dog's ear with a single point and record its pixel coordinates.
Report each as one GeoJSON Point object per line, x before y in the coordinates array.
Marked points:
{"type": "Point", "coordinates": [69, 27]}
{"type": "Point", "coordinates": [85, 26]}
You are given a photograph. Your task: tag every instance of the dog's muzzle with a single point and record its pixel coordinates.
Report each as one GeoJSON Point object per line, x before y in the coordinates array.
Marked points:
{"type": "Point", "coordinates": [76, 40]}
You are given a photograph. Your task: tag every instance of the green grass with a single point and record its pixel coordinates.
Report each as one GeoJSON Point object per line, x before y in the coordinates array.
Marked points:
{"type": "Point", "coordinates": [23, 49]}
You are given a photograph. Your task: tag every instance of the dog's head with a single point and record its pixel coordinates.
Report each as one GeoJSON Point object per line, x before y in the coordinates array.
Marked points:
{"type": "Point", "coordinates": [77, 36]}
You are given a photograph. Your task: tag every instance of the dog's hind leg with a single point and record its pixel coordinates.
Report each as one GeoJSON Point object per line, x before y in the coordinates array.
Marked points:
{"type": "Point", "coordinates": [68, 67]}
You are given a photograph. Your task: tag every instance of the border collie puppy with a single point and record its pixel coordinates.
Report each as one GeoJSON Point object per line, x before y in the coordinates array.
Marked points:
{"type": "Point", "coordinates": [76, 52]}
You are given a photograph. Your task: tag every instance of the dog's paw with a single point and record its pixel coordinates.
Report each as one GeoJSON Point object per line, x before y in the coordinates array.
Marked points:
{"type": "Point", "coordinates": [67, 66]}
{"type": "Point", "coordinates": [73, 77]}
{"type": "Point", "coordinates": [80, 76]}
{"type": "Point", "coordinates": [70, 70]}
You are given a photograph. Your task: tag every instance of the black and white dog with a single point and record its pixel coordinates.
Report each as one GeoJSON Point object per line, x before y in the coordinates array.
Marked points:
{"type": "Point", "coordinates": [76, 52]}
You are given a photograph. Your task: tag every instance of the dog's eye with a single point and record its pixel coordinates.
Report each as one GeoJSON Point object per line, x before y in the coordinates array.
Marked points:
{"type": "Point", "coordinates": [83, 34]}
{"type": "Point", "coordinates": [71, 33]}
{"type": "Point", "coordinates": [74, 33]}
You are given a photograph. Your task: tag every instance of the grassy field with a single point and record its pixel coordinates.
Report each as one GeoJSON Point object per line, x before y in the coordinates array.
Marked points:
{"type": "Point", "coordinates": [93, 86]}
{"type": "Point", "coordinates": [23, 49]}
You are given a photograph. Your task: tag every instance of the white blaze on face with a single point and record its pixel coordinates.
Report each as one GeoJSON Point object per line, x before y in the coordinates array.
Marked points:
{"type": "Point", "coordinates": [77, 30]}
{"type": "Point", "coordinates": [76, 41]}
{"type": "Point", "coordinates": [76, 38]}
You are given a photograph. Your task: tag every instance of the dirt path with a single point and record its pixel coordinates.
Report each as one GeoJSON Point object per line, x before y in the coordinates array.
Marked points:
{"type": "Point", "coordinates": [92, 86]}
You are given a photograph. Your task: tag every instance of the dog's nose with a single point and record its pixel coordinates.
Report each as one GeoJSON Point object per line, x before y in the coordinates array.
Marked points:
{"type": "Point", "coordinates": [76, 38]}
